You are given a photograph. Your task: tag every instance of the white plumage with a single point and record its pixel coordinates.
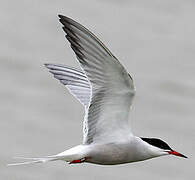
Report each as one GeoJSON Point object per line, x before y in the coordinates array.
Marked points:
{"type": "Point", "coordinates": [106, 90]}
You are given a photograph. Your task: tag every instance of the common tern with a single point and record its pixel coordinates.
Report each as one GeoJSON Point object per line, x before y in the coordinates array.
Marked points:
{"type": "Point", "coordinates": [106, 90]}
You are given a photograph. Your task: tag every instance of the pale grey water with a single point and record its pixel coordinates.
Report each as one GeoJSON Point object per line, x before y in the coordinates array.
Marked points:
{"type": "Point", "coordinates": [155, 40]}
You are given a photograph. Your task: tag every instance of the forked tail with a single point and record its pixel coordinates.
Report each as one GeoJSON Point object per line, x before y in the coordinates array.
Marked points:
{"type": "Point", "coordinates": [34, 160]}
{"type": "Point", "coordinates": [74, 155]}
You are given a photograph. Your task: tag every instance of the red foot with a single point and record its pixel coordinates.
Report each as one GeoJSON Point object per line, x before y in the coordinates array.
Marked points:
{"type": "Point", "coordinates": [79, 160]}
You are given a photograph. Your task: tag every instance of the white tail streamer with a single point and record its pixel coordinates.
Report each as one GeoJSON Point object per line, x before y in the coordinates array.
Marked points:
{"type": "Point", "coordinates": [33, 160]}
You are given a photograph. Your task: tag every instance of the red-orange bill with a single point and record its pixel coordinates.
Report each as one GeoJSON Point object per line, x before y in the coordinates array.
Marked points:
{"type": "Point", "coordinates": [177, 154]}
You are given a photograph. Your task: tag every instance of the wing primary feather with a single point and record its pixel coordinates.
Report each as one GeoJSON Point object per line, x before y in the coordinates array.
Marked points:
{"type": "Point", "coordinates": [67, 22]}
{"type": "Point", "coordinates": [75, 81]}
{"type": "Point", "coordinates": [62, 68]}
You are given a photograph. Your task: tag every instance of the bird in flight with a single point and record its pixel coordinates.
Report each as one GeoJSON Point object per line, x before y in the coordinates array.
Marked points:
{"type": "Point", "coordinates": [106, 90]}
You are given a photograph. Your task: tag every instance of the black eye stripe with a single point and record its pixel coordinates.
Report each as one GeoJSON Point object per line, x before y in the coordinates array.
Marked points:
{"type": "Point", "coordinates": [157, 143]}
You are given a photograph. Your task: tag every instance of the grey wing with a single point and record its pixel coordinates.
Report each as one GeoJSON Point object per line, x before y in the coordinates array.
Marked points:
{"type": "Point", "coordinates": [74, 80]}
{"type": "Point", "coordinates": [106, 118]}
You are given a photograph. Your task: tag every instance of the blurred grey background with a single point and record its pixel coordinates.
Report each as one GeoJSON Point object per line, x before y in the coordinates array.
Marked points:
{"type": "Point", "coordinates": [153, 39]}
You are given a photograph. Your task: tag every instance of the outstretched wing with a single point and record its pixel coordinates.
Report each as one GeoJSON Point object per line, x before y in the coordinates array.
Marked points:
{"type": "Point", "coordinates": [75, 81]}
{"type": "Point", "coordinates": [106, 118]}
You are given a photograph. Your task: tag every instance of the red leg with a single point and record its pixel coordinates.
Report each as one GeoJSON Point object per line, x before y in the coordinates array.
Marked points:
{"type": "Point", "coordinates": [79, 161]}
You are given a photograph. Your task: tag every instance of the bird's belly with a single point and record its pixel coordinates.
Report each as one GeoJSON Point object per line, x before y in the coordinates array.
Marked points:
{"type": "Point", "coordinates": [111, 154]}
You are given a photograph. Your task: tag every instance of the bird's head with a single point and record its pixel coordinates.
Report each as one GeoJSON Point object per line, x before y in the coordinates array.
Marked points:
{"type": "Point", "coordinates": [162, 147]}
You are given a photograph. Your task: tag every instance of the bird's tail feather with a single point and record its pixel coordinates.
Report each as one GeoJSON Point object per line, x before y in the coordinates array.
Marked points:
{"type": "Point", "coordinates": [34, 160]}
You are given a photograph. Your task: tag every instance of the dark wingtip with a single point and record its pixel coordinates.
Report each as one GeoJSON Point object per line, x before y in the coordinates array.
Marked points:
{"type": "Point", "coordinates": [60, 16]}
{"type": "Point", "coordinates": [64, 19]}
{"type": "Point", "coordinates": [46, 65]}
